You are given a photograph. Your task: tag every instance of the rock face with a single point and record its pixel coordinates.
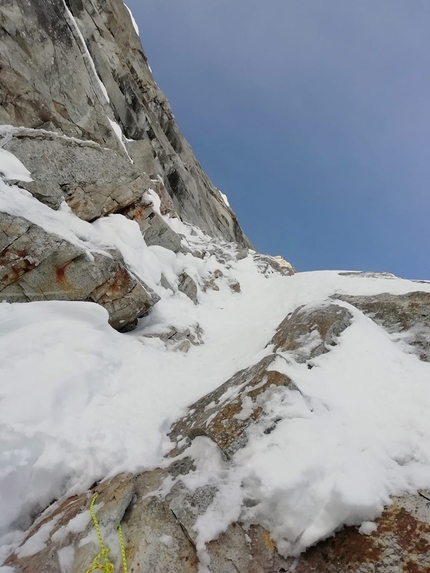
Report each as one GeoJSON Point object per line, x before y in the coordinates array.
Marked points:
{"type": "Point", "coordinates": [218, 416]}
{"type": "Point", "coordinates": [72, 69]}
{"type": "Point", "coordinates": [94, 181]}
{"type": "Point", "coordinates": [401, 543]}
{"type": "Point", "coordinates": [80, 109]}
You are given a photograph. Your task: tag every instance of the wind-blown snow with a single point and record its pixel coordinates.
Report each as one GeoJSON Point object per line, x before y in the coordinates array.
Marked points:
{"type": "Point", "coordinates": [79, 401]}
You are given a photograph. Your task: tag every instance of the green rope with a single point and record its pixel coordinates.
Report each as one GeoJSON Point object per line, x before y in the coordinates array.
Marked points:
{"type": "Point", "coordinates": [101, 561]}
{"type": "Point", "coordinates": [121, 543]}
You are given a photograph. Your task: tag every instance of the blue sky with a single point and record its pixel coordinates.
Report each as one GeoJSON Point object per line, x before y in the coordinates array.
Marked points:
{"type": "Point", "coordinates": [313, 116]}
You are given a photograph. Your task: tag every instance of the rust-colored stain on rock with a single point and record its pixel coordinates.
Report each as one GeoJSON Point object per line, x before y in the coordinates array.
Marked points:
{"type": "Point", "coordinates": [17, 263]}
{"type": "Point", "coordinates": [412, 535]}
{"type": "Point", "coordinates": [400, 544]}
{"type": "Point", "coordinates": [60, 273]}
{"type": "Point", "coordinates": [119, 284]}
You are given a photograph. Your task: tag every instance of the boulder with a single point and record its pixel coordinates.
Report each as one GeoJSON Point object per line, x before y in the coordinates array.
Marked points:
{"type": "Point", "coordinates": [188, 286]}
{"type": "Point", "coordinates": [180, 339]}
{"type": "Point", "coordinates": [268, 265]}
{"type": "Point", "coordinates": [225, 414]}
{"type": "Point", "coordinates": [309, 331]}
{"type": "Point", "coordinates": [155, 229]}
{"type": "Point", "coordinates": [36, 265]}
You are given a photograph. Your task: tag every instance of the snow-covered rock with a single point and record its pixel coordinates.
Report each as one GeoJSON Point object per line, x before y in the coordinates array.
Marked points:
{"type": "Point", "coordinates": [252, 414]}
{"type": "Point", "coordinates": [36, 264]}
{"type": "Point", "coordinates": [206, 496]}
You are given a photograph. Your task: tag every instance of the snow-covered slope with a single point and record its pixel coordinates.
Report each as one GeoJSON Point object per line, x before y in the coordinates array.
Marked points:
{"type": "Point", "coordinates": [347, 430]}
{"type": "Point", "coordinates": [81, 402]}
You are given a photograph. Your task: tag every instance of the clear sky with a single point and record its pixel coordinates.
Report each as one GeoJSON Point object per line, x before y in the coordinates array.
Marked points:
{"type": "Point", "coordinates": [313, 116]}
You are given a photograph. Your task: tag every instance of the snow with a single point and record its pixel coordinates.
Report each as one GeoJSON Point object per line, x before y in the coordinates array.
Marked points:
{"type": "Point", "coordinates": [87, 402]}
{"type": "Point", "coordinates": [86, 51]}
{"type": "Point", "coordinates": [12, 168]}
{"type": "Point", "coordinates": [224, 198]}
{"type": "Point", "coordinates": [63, 223]}
{"type": "Point", "coordinates": [120, 136]}
{"type": "Point", "coordinates": [367, 528]}
{"type": "Point", "coordinates": [76, 525]}
{"type": "Point", "coordinates": [65, 558]}
{"type": "Point", "coordinates": [357, 432]}
{"type": "Point", "coordinates": [133, 21]}
{"type": "Point", "coordinates": [80, 409]}
{"type": "Point", "coordinates": [37, 542]}
{"type": "Point", "coordinates": [8, 130]}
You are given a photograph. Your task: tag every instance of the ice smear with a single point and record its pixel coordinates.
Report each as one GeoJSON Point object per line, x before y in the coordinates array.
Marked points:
{"type": "Point", "coordinates": [86, 51]}
{"type": "Point", "coordinates": [120, 136]}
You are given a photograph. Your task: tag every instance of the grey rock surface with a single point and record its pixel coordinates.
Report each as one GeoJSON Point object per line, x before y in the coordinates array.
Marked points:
{"type": "Point", "coordinates": [401, 544]}
{"type": "Point", "coordinates": [309, 332]}
{"type": "Point", "coordinates": [179, 338]}
{"type": "Point", "coordinates": [158, 532]}
{"type": "Point", "coordinates": [269, 265]}
{"type": "Point", "coordinates": [154, 228]}
{"type": "Point", "coordinates": [80, 109]}
{"type": "Point", "coordinates": [93, 180]}
{"type": "Point", "coordinates": [36, 265]}
{"type": "Point", "coordinates": [159, 233]}
{"type": "Point", "coordinates": [188, 286]}
{"type": "Point", "coordinates": [407, 315]}
{"type": "Point", "coordinates": [215, 416]}
{"type": "Point", "coordinates": [72, 70]}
